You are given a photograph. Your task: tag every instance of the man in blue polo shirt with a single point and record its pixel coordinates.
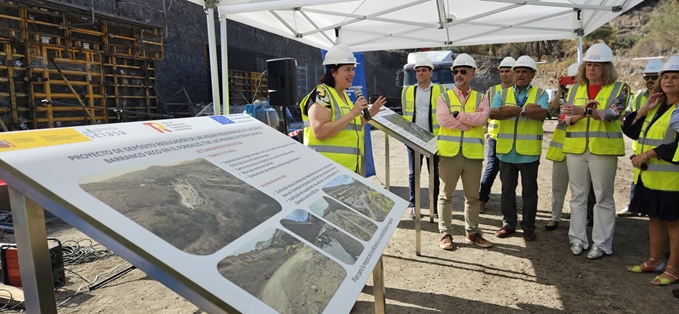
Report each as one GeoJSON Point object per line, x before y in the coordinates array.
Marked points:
{"type": "Point", "coordinates": [520, 110]}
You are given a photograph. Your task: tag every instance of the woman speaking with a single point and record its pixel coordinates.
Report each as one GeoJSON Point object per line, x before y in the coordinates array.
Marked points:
{"type": "Point", "coordinates": [333, 125]}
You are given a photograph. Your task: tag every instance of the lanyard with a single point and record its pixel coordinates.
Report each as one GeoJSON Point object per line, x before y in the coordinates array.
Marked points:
{"type": "Point", "coordinates": [523, 101]}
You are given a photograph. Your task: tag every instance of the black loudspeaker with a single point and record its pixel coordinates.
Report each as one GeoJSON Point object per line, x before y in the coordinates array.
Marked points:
{"type": "Point", "coordinates": [282, 82]}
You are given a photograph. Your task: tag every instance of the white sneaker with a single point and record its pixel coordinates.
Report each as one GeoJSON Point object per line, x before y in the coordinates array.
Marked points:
{"type": "Point", "coordinates": [625, 212]}
{"type": "Point", "coordinates": [576, 248]}
{"type": "Point", "coordinates": [595, 253]}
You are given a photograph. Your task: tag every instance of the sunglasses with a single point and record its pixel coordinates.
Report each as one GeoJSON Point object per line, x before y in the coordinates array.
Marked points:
{"type": "Point", "coordinates": [648, 78]}
{"type": "Point", "coordinates": [464, 72]}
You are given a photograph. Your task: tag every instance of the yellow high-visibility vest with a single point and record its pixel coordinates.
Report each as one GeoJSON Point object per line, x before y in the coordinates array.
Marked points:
{"type": "Point", "coordinates": [408, 104]}
{"type": "Point", "coordinates": [660, 175]}
{"type": "Point", "coordinates": [600, 137]}
{"type": "Point", "coordinates": [450, 141]}
{"type": "Point", "coordinates": [637, 102]}
{"type": "Point", "coordinates": [346, 147]}
{"type": "Point", "coordinates": [555, 150]}
{"type": "Point", "coordinates": [492, 123]}
{"type": "Point", "coordinates": [525, 133]}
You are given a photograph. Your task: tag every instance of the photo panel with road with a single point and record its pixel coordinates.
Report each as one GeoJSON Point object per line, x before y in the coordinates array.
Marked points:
{"type": "Point", "coordinates": [343, 217]}
{"type": "Point", "coordinates": [323, 235]}
{"type": "Point", "coordinates": [194, 205]}
{"type": "Point", "coordinates": [360, 197]}
{"type": "Point", "coordinates": [283, 272]}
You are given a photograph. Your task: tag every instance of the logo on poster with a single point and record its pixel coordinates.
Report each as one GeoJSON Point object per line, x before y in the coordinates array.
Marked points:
{"type": "Point", "coordinates": [102, 133]}
{"type": "Point", "coordinates": [6, 144]}
{"type": "Point", "coordinates": [158, 127]}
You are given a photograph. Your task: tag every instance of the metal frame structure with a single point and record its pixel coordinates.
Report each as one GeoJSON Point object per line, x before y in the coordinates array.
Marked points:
{"type": "Point", "coordinates": [106, 63]}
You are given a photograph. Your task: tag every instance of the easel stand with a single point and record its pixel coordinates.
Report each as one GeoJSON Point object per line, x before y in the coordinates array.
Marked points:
{"type": "Point", "coordinates": [419, 152]}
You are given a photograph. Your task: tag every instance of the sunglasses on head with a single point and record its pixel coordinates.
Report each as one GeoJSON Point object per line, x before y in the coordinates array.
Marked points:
{"type": "Point", "coordinates": [648, 78]}
{"type": "Point", "coordinates": [464, 72]}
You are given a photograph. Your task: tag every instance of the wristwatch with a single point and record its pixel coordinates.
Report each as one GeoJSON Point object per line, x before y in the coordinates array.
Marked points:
{"type": "Point", "coordinates": [455, 113]}
{"type": "Point", "coordinates": [588, 112]}
{"type": "Point", "coordinates": [523, 112]}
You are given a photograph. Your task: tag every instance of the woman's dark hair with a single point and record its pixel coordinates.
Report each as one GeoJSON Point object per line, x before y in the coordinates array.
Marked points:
{"type": "Point", "coordinates": [327, 78]}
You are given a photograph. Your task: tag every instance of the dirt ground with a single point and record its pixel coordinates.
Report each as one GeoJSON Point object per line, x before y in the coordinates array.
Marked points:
{"type": "Point", "coordinates": [512, 276]}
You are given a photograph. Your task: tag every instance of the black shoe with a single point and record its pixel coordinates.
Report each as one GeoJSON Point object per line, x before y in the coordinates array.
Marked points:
{"type": "Point", "coordinates": [550, 228]}
{"type": "Point", "coordinates": [412, 213]}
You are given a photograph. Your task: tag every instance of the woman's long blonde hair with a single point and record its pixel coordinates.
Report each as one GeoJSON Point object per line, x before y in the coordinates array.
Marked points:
{"type": "Point", "coordinates": [609, 76]}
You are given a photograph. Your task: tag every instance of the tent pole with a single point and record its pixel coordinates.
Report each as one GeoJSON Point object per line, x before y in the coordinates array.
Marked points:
{"type": "Point", "coordinates": [579, 48]}
{"type": "Point", "coordinates": [225, 62]}
{"type": "Point", "coordinates": [214, 70]}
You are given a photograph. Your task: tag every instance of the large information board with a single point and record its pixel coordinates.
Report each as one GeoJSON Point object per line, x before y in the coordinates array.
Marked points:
{"type": "Point", "coordinates": [224, 210]}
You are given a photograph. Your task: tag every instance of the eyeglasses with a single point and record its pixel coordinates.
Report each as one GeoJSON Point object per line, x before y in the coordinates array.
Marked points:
{"type": "Point", "coordinates": [649, 78]}
{"type": "Point", "coordinates": [464, 72]}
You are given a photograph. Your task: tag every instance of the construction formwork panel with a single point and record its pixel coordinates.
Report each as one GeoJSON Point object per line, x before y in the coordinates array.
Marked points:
{"type": "Point", "coordinates": [58, 67]}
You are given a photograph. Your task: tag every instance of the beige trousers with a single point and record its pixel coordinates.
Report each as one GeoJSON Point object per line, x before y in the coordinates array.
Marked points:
{"type": "Point", "coordinates": [451, 169]}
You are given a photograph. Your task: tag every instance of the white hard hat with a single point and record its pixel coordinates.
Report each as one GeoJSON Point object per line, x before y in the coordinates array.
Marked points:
{"type": "Point", "coordinates": [598, 53]}
{"type": "Point", "coordinates": [464, 60]}
{"type": "Point", "coordinates": [423, 61]}
{"type": "Point", "coordinates": [573, 69]}
{"type": "Point", "coordinates": [507, 62]}
{"type": "Point", "coordinates": [653, 67]}
{"type": "Point", "coordinates": [339, 54]}
{"type": "Point", "coordinates": [525, 62]}
{"type": "Point", "coordinates": [672, 65]}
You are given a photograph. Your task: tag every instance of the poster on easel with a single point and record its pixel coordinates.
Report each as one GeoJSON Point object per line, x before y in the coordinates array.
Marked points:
{"type": "Point", "coordinates": [405, 131]}
{"type": "Point", "coordinates": [224, 205]}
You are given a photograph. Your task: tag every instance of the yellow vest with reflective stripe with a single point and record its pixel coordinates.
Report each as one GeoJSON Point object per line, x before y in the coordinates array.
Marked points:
{"type": "Point", "coordinates": [637, 102]}
{"type": "Point", "coordinates": [660, 175]}
{"type": "Point", "coordinates": [346, 147]}
{"type": "Point", "coordinates": [600, 137]}
{"type": "Point", "coordinates": [408, 104]}
{"type": "Point", "coordinates": [555, 150]}
{"type": "Point", "coordinates": [471, 141]}
{"type": "Point", "coordinates": [525, 133]}
{"type": "Point", "coordinates": [492, 123]}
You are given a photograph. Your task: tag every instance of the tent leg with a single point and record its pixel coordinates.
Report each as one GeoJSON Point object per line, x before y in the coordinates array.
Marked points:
{"type": "Point", "coordinates": [386, 160]}
{"type": "Point", "coordinates": [225, 64]}
{"type": "Point", "coordinates": [579, 48]}
{"type": "Point", "coordinates": [214, 69]}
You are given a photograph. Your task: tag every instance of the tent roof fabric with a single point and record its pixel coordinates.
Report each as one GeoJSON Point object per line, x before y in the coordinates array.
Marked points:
{"type": "Point", "coordinates": [368, 25]}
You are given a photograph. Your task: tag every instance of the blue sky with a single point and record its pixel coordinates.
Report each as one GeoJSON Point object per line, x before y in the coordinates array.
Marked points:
{"type": "Point", "coordinates": [343, 179]}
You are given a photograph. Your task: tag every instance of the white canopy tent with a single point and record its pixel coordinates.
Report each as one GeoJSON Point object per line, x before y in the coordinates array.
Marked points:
{"type": "Point", "coordinates": [366, 25]}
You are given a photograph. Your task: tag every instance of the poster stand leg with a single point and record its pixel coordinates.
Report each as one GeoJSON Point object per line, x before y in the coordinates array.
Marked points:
{"type": "Point", "coordinates": [432, 201]}
{"type": "Point", "coordinates": [386, 160]}
{"type": "Point", "coordinates": [379, 289]}
{"type": "Point", "coordinates": [418, 220]}
{"type": "Point", "coordinates": [34, 258]}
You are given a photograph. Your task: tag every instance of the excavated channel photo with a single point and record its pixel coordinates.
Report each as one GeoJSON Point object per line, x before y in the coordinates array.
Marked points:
{"type": "Point", "coordinates": [284, 273]}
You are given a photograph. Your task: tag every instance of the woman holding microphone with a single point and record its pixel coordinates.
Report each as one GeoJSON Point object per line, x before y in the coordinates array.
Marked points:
{"type": "Point", "coordinates": [333, 125]}
{"type": "Point", "coordinates": [592, 145]}
{"type": "Point", "coordinates": [656, 175]}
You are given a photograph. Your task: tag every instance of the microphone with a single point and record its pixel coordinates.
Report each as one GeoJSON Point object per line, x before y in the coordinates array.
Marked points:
{"type": "Point", "coordinates": [366, 112]}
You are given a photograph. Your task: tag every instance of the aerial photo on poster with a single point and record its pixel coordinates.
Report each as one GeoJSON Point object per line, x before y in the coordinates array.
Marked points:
{"type": "Point", "coordinates": [343, 217]}
{"type": "Point", "coordinates": [398, 124]}
{"type": "Point", "coordinates": [194, 205]}
{"type": "Point", "coordinates": [323, 235]}
{"type": "Point", "coordinates": [360, 197]}
{"type": "Point", "coordinates": [284, 273]}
